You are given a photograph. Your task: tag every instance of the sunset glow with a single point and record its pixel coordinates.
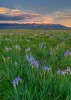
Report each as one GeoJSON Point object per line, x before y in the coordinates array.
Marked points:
{"type": "Point", "coordinates": [21, 15]}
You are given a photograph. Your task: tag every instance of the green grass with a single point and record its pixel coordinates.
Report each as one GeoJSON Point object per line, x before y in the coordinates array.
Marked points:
{"type": "Point", "coordinates": [48, 48]}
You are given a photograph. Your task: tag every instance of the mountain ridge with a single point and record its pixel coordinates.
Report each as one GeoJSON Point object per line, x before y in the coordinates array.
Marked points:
{"type": "Point", "coordinates": [32, 26]}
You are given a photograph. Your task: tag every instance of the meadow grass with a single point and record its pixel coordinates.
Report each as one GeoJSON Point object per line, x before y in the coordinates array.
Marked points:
{"type": "Point", "coordinates": [35, 64]}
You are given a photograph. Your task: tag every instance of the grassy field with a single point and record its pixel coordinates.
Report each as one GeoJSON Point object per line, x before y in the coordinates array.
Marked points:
{"type": "Point", "coordinates": [35, 64]}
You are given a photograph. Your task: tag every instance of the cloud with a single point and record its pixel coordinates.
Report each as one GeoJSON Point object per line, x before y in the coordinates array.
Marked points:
{"type": "Point", "coordinates": [4, 10]}
{"type": "Point", "coordinates": [63, 18]}
{"type": "Point", "coordinates": [10, 18]}
{"type": "Point", "coordinates": [21, 16]}
{"type": "Point", "coordinates": [62, 15]}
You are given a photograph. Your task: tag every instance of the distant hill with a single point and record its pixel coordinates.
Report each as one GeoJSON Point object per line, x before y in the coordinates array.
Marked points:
{"type": "Point", "coordinates": [32, 26]}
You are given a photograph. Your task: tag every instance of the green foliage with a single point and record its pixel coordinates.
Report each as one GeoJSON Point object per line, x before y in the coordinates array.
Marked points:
{"type": "Point", "coordinates": [48, 48]}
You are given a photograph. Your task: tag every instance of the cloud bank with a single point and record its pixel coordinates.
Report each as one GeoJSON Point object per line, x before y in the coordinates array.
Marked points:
{"type": "Point", "coordinates": [22, 17]}
{"type": "Point", "coordinates": [63, 17]}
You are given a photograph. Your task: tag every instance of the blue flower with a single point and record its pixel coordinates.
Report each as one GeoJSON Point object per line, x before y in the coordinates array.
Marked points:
{"type": "Point", "coordinates": [47, 68]}
{"type": "Point", "coordinates": [31, 60]}
{"type": "Point", "coordinates": [67, 53]}
{"type": "Point", "coordinates": [58, 72]}
{"type": "Point", "coordinates": [16, 81]}
{"type": "Point", "coordinates": [61, 72]}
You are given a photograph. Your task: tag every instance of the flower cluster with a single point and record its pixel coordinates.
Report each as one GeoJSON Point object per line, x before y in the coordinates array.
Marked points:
{"type": "Point", "coordinates": [48, 68]}
{"type": "Point", "coordinates": [32, 61]}
{"type": "Point", "coordinates": [16, 81]}
{"type": "Point", "coordinates": [64, 72]}
{"type": "Point", "coordinates": [42, 45]}
{"type": "Point", "coordinates": [18, 47]}
{"type": "Point", "coordinates": [7, 48]}
{"type": "Point", "coordinates": [67, 53]}
{"type": "Point", "coordinates": [28, 49]}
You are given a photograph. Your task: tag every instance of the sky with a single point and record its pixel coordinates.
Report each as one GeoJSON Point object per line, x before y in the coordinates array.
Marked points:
{"type": "Point", "coordinates": [36, 11]}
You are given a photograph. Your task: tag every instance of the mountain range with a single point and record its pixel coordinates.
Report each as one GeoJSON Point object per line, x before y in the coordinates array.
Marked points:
{"type": "Point", "coordinates": [33, 26]}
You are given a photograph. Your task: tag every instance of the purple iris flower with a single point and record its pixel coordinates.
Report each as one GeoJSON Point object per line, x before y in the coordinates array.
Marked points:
{"type": "Point", "coordinates": [47, 68]}
{"type": "Point", "coordinates": [16, 81]}
{"type": "Point", "coordinates": [67, 53]}
{"type": "Point", "coordinates": [32, 60]}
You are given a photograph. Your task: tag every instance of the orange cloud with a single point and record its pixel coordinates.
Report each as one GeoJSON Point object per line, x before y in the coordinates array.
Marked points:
{"type": "Point", "coordinates": [63, 18]}
{"type": "Point", "coordinates": [21, 17]}
{"type": "Point", "coordinates": [66, 22]}
{"type": "Point", "coordinates": [16, 12]}
{"type": "Point", "coordinates": [4, 10]}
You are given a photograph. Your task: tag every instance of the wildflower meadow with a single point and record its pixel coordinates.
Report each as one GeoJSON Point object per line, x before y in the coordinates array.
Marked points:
{"type": "Point", "coordinates": [35, 64]}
